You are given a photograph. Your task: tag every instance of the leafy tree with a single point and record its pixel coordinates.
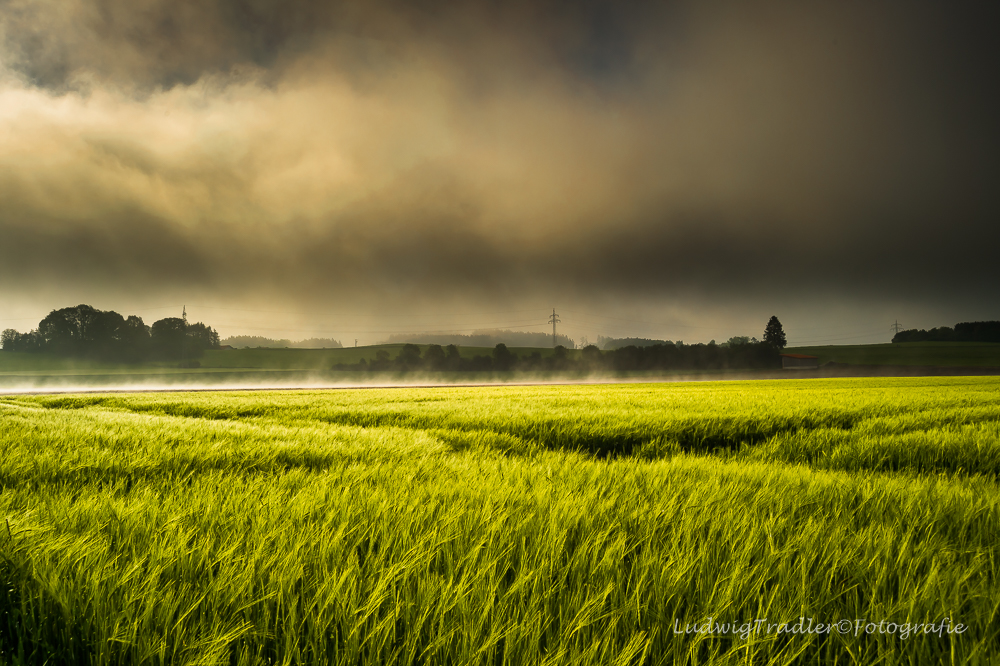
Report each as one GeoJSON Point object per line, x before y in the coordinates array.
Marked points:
{"type": "Point", "coordinates": [381, 360]}
{"type": "Point", "coordinates": [774, 336]}
{"type": "Point", "coordinates": [201, 337]}
{"type": "Point", "coordinates": [11, 340]}
{"type": "Point", "coordinates": [134, 339]}
{"type": "Point", "coordinates": [102, 335]}
{"type": "Point", "coordinates": [65, 330]}
{"type": "Point", "coordinates": [453, 357]}
{"type": "Point", "coordinates": [168, 338]}
{"type": "Point", "coordinates": [592, 356]}
{"type": "Point", "coordinates": [559, 359]}
{"type": "Point", "coordinates": [503, 359]}
{"type": "Point", "coordinates": [173, 338]}
{"type": "Point", "coordinates": [82, 331]}
{"type": "Point", "coordinates": [409, 357]}
{"type": "Point", "coordinates": [434, 357]}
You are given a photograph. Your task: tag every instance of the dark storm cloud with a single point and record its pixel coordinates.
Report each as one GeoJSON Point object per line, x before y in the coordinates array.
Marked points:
{"type": "Point", "coordinates": [150, 43]}
{"type": "Point", "coordinates": [167, 42]}
{"type": "Point", "coordinates": [649, 259]}
{"type": "Point", "coordinates": [128, 250]}
{"type": "Point", "coordinates": [406, 153]}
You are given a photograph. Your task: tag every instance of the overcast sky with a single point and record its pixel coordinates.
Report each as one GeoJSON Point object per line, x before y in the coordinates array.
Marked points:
{"type": "Point", "coordinates": [306, 168]}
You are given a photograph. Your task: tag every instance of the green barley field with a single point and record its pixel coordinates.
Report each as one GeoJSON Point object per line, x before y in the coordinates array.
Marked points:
{"type": "Point", "coordinates": [590, 524]}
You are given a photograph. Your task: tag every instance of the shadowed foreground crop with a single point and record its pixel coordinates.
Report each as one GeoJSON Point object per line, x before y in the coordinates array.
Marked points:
{"type": "Point", "coordinates": [502, 525]}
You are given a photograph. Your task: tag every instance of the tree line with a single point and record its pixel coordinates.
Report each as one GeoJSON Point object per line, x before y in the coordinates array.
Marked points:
{"type": "Point", "coordinates": [969, 331]}
{"type": "Point", "coordinates": [86, 332]}
{"type": "Point", "coordinates": [737, 353]}
{"type": "Point", "coordinates": [435, 358]}
{"type": "Point", "coordinates": [253, 341]}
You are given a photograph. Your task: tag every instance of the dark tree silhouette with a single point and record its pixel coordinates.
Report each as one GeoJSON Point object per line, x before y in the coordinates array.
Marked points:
{"type": "Point", "coordinates": [409, 357]}
{"type": "Point", "coordinates": [65, 330]}
{"type": "Point", "coordinates": [134, 339]}
{"type": "Point", "coordinates": [434, 357]}
{"type": "Point", "coordinates": [85, 331]}
{"type": "Point", "coordinates": [559, 359]}
{"type": "Point", "coordinates": [173, 338]}
{"type": "Point", "coordinates": [103, 334]}
{"type": "Point", "coordinates": [453, 358]}
{"type": "Point", "coordinates": [774, 336]}
{"type": "Point", "coordinates": [202, 337]}
{"type": "Point", "coordinates": [82, 331]}
{"type": "Point", "coordinates": [381, 360]}
{"type": "Point", "coordinates": [14, 341]}
{"type": "Point", "coordinates": [978, 331]}
{"type": "Point", "coordinates": [503, 359]}
{"type": "Point", "coordinates": [969, 331]}
{"type": "Point", "coordinates": [168, 338]}
{"type": "Point", "coordinates": [592, 356]}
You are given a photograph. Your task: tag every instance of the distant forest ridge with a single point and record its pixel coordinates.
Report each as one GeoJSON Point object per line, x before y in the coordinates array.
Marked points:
{"type": "Point", "coordinates": [970, 331]}
{"type": "Point", "coordinates": [617, 343]}
{"type": "Point", "coordinates": [485, 338]}
{"type": "Point", "coordinates": [738, 355]}
{"type": "Point", "coordinates": [610, 344]}
{"type": "Point", "coordinates": [254, 341]}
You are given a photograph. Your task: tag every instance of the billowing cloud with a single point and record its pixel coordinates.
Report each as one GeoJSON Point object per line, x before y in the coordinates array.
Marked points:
{"type": "Point", "coordinates": [715, 165]}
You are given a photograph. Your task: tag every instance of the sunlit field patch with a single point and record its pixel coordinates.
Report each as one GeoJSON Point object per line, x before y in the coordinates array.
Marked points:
{"type": "Point", "coordinates": [504, 525]}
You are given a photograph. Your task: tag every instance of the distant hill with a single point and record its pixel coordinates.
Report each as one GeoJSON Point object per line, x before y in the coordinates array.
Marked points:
{"type": "Point", "coordinates": [254, 341]}
{"type": "Point", "coordinates": [484, 338]}
{"type": "Point", "coordinates": [960, 354]}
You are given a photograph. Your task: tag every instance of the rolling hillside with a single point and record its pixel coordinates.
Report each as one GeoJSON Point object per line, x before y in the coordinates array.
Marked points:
{"type": "Point", "coordinates": [982, 354]}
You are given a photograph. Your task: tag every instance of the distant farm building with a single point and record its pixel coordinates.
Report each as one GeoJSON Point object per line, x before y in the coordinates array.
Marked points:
{"type": "Point", "coordinates": [799, 362]}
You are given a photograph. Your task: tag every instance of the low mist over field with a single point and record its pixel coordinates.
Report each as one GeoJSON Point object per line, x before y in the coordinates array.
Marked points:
{"type": "Point", "coordinates": [361, 170]}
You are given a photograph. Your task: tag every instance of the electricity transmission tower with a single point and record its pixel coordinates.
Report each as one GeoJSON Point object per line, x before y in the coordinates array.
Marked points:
{"type": "Point", "coordinates": [554, 319]}
{"type": "Point", "coordinates": [896, 327]}
{"type": "Point", "coordinates": [184, 340]}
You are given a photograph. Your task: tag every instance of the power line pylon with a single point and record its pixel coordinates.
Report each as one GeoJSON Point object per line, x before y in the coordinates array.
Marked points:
{"type": "Point", "coordinates": [554, 319]}
{"type": "Point", "coordinates": [896, 327]}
